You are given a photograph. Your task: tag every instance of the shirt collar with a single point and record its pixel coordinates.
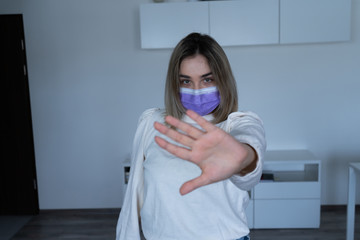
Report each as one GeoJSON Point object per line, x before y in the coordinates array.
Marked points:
{"type": "Point", "coordinates": [187, 119]}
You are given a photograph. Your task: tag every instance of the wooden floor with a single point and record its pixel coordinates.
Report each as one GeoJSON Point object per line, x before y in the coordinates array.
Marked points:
{"type": "Point", "coordinates": [10, 225]}
{"type": "Point", "coordinates": [332, 227]}
{"type": "Point", "coordinates": [71, 224]}
{"type": "Point", "coordinates": [100, 224]}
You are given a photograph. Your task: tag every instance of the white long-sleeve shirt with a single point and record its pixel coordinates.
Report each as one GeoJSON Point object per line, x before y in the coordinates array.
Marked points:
{"type": "Point", "coordinates": [215, 211]}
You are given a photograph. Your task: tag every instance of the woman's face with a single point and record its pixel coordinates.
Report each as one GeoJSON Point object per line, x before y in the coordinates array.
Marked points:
{"type": "Point", "coordinates": [195, 73]}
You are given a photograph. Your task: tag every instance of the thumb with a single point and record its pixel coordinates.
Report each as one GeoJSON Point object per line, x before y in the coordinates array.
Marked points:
{"type": "Point", "coordinates": [193, 184]}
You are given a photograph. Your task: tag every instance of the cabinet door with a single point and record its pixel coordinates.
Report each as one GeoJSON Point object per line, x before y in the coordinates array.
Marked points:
{"type": "Point", "coordinates": [164, 25]}
{"type": "Point", "coordinates": [305, 21]}
{"type": "Point", "coordinates": [244, 22]}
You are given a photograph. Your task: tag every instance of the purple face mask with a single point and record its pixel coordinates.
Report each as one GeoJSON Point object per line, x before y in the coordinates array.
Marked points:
{"type": "Point", "coordinates": [203, 101]}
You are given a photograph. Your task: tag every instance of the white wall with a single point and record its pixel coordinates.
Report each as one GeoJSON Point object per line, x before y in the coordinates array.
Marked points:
{"type": "Point", "coordinates": [90, 81]}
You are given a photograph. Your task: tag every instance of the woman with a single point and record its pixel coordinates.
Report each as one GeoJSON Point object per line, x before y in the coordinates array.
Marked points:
{"type": "Point", "coordinates": [193, 163]}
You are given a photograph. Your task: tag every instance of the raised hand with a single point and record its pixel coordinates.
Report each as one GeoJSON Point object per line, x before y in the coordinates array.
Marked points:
{"type": "Point", "coordinates": [216, 152]}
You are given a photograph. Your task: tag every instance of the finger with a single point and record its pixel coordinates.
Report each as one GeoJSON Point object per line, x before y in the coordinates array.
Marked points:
{"type": "Point", "coordinates": [193, 184]}
{"type": "Point", "coordinates": [192, 131]}
{"type": "Point", "coordinates": [173, 134]}
{"type": "Point", "coordinates": [206, 125]}
{"type": "Point", "coordinates": [178, 151]}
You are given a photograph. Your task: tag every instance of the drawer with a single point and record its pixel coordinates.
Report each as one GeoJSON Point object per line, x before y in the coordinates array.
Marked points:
{"type": "Point", "coordinates": [287, 213]}
{"type": "Point", "coordinates": [287, 190]}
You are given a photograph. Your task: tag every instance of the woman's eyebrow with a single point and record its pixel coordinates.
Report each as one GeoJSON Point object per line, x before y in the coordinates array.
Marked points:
{"type": "Point", "coordinates": [184, 76]}
{"type": "Point", "coordinates": [207, 74]}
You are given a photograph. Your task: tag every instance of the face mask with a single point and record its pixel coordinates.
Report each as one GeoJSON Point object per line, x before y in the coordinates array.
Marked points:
{"type": "Point", "coordinates": [203, 101]}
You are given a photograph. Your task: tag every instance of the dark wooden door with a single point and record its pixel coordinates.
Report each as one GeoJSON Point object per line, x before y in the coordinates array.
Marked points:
{"type": "Point", "coordinates": [18, 184]}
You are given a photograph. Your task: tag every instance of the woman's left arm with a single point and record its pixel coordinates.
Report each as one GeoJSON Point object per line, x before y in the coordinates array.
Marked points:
{"type": "Point", "coordinates": [247, 127]}
{"type": "Point", "coordinates": [252, 160]}
{"type": "Point", "coordinates": [218, 154]}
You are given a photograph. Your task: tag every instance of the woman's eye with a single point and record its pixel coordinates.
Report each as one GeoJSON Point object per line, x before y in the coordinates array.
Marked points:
{"type": "Point", "coordinates": [185, 81]}
{"type": "Point", "coordinates": [208, 80]}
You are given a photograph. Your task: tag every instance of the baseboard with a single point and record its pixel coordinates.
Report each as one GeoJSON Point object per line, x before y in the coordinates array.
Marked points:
{"type": "Point", "coordinates": [81, 210]}
{"type": "Point", "coordinates": [340, 207]}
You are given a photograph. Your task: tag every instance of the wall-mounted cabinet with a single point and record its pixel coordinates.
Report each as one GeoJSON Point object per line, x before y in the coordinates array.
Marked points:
{"type": "Point", "coordinates": [162, 25]}
{"type": "Point", "coordinates": [246, 22]}
{"type": "Point", "coordinates": [310, 21]}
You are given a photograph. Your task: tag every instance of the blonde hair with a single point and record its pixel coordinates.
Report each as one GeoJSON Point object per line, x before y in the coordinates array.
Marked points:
{"type": "Point", "coordinates": [191, 45]}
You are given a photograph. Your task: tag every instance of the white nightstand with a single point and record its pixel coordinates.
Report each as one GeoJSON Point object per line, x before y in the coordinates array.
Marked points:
{"type": "Point", "coordinates": [291, 199]}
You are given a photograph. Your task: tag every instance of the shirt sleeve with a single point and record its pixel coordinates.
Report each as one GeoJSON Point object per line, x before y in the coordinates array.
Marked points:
{"type": "Point", "coordinates": [128, 226]}
{"type": "Point", "coordinates": [248, 128]}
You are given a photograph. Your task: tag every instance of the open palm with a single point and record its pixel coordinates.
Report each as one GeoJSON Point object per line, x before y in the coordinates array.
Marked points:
{"type": "Point", "coordinates": [216, 152]}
